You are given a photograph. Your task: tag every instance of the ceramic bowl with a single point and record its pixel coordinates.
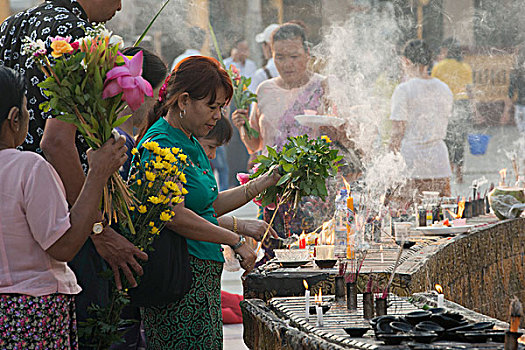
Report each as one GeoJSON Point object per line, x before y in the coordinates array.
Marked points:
{"type": "Point", "coordinates": [326, 264]}
{"type": "Point", "coordinates": [291, 254]}
{"type": "Point", "coordinates": [356, 332]}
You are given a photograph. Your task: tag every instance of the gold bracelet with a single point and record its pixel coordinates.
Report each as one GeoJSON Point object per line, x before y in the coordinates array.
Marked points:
{"type": "Point", "coordinates": [235, 227]}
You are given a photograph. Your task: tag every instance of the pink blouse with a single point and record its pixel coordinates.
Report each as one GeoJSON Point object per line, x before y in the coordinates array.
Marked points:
{"type": "Point", "coordinates": [33, 216]}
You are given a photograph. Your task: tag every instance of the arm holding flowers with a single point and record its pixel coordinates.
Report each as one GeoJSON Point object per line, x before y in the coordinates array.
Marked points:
{"type": "Point", "coordinates": [58, 144]}
{"type": "Point", "coordinates": [84, 212]}
{"type": "Point", "coordinates": [248, 227]}
{"type": "Point", "coordinates": [236, 197]}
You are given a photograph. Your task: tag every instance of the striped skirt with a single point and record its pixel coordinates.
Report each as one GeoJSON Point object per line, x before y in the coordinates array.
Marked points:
{"type": "Point", "coordinates": [195, 321]}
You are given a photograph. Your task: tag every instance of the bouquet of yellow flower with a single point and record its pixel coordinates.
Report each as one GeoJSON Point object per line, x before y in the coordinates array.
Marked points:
{"type": "Point", "coordinates": [88, 84]}
{"type": "Point", "coordinates": [158, 184]}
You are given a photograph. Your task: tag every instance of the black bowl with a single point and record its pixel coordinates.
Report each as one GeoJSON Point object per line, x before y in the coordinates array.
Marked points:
{"type": "Point", "coordinates": [356, 332]}
{"type": "Point", "coordinates": [454, 316]}
{"type": "Point", "coordinates": [402, 327]}
{"type": "Point", "coordinates": [406, 244]}
{"type": "Point", "coordinates": [394, 339]}
{"type": "Point", "coordinates": [373, 321]}
{"type": "Point", "coordinates": [418, 316]}
{"type": "Point", "coordinates": [325, 308]}
{"type": "Point", "coordinates": [383, 326]}
{"type": "Point", "coordinates": [445, 322]}
{"type": "Point", "coordinates": [437, 310]}
{"type": "Point", "coordinates": [476, 337]}
{"type": "Point", "coordinates": [424, 337]}
{"type": "Point", "coordinates": [496, 336]}
{"type": "Point", "coordinates": [464, 328]}
{"type": "Point", "coordinates": [429, 326]}
{"type": "Point", "coordinates": [482, 326]}
{"type": "Point", "coordinates": [326, 264]}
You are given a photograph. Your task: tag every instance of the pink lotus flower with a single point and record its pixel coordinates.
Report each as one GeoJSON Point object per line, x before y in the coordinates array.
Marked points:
{"type": "Point", "coordinates": [127, 80]}
{"type": "Point", "coordinates": [243, 178]}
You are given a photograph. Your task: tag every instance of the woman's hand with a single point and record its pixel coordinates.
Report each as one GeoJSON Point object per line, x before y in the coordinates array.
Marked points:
{"type": "Point", "coordinates": [248, 257]}
{"type": "Point", "coordinates": [107, 159]}
{"type": "Point", "coordinates": [239, 118]}
{"type": "Point", "coordinates": [254, 228]}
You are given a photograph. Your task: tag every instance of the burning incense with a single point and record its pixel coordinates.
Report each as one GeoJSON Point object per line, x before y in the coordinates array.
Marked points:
{"type": "Point", "coordinates": [503, 175]}
{"type": "Point", "coordinates": [385, 291]}
{"type": "Point", "coordinates": [516, 312]}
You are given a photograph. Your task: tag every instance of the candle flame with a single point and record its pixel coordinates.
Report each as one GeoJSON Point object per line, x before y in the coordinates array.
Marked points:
{"type": "Point", "coordinates": [347, 185]}
{"type": "Point", "coordinates": [461, 208]}
{"type": "Point", "coordinates": [305, 284]}
{"type": "Point", "coordinates": [320, 295]}
{"type": "Point", "coordinates": [439, 288]}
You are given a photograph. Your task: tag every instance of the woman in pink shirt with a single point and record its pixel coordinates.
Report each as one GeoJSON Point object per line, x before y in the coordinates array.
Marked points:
{"type": "Point", "coordinates": [38, 234]}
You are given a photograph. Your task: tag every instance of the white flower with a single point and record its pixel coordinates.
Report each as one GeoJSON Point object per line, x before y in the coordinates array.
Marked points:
{"type": "Point", "coordinates": [116, 40]}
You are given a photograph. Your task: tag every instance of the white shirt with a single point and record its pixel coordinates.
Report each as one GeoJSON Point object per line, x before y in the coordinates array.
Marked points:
{"type": "Point", "coordinates": [247, 69]}
{"type": "Point", "coordinates": [425, 105]}
{"type": "Point", "coordinates": [187, 53]}
{"type": "Point", "coordinates": [260, 75]}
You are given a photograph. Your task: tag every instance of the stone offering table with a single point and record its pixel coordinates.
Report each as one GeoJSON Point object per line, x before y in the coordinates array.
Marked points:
{"type": "Point", "coordinates": [481, 270]}
{"type": "Point", "coordinates": [281, 324]}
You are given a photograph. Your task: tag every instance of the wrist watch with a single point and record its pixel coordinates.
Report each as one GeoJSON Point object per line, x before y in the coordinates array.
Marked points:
{"type": "Point", "coordinates": [242, 240]}
{"type": "Point", "coordinates": [98, 227]}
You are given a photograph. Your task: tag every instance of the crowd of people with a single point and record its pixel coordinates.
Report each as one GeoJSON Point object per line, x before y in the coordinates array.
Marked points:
{"type": "Point", "coordinates": [51, 183]}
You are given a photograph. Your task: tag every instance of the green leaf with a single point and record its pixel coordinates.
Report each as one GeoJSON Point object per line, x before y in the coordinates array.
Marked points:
{"type": "Point", "coordinates": [120, 120]}
{"type": "Point", "coordinates": [283, 179]}
{"type": "Point", "coordinates": [287, 167]}
{"type": "Point", "coordinates": [271, 152]}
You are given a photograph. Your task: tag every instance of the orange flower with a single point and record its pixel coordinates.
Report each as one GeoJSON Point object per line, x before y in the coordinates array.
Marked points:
{"type": "Point", "coordinates": [60, 47]}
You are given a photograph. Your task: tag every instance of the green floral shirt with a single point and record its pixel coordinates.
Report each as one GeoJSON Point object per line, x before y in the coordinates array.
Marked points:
{"type": "Point", "coordinates": [201, 183]}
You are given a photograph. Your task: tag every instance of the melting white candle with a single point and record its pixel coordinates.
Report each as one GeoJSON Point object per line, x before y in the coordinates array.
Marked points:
{"type": "Point", "coordinates": [319, 312]}
{"type": "Point", "coordinates": [307, 303]}
{"type": "Point", "coordinates": [441, 300]}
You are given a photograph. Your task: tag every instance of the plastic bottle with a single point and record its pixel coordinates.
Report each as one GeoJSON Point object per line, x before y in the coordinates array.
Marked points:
{"type": "Point", "coordinates": [340, 224]}
{"type": "Point", "coordinates": [350, 228]}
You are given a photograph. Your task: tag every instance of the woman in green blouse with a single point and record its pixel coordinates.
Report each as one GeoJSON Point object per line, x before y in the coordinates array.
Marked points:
{"type": "Point", "coordinates": [189, 106]}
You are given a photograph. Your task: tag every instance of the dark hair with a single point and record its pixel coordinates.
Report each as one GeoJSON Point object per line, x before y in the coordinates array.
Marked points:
{"type": "Point", "coordinates": [200, 77]}
{"type": "Point", "coordinates": [154, 70]}
{"type": "Point", "coordinates": [417, 52]}
{"type": "Point", "coordinates": [290, 31]}
{"type": "Point", "coordinates": [222, 132]}
{"type": "Point", "coordinates": [454, 52]}
{"type": "Point", "coordinates": [13, 87]}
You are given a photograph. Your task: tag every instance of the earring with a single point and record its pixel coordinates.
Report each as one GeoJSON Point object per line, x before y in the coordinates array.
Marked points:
{"type": "Point", "coordinates": [181, 114]}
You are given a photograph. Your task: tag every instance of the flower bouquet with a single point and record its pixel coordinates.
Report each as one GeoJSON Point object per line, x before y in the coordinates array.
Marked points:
{"type": "Point", "coordinates": [157, 182]}
{"type": "Point", "coordinates": [305, 164]}
{"type": "Point", "coordinates": [242, 97]}
{"type": "Point", "coordinates": [88, 84]}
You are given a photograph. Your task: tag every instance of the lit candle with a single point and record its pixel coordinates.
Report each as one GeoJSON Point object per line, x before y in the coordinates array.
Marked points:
{"type": "Point", "coordinates": [306, 299]}
{"type": "Point", "coordinates": [440, 297]}
{"type": "Point", "coordinates": [319, 312]}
